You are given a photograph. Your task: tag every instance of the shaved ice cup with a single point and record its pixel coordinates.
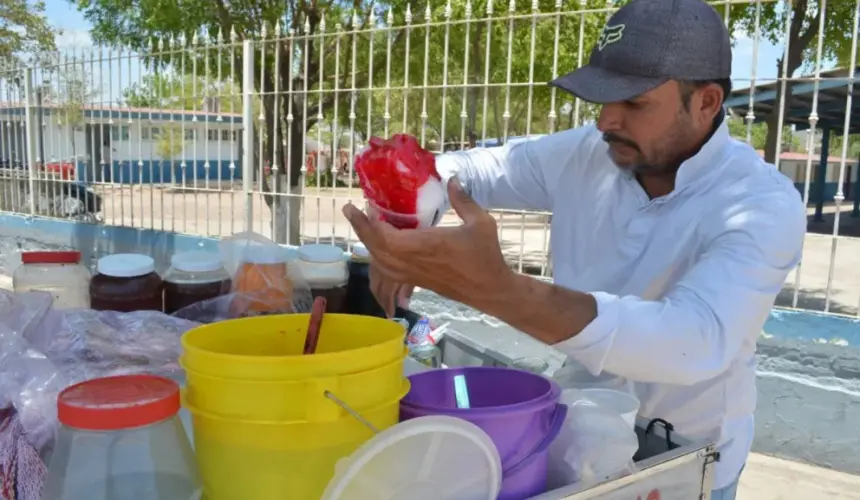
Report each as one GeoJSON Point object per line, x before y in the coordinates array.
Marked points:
{"type": "Point", "coordinates": [418, 220]}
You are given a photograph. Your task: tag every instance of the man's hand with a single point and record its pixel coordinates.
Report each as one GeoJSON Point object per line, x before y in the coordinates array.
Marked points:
{"type": "Point", "coordinates": [463, 263]}
{"type": "Point", "coordinates": [388, 293]}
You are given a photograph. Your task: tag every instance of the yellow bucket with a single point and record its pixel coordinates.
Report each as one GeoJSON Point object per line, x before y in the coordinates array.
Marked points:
{"type": "Point", "coordinates": [294, 399]}
{"type": "Point", "coordinates": [241, 459]}
{"type": "Point", "coordinates": [270, 347]}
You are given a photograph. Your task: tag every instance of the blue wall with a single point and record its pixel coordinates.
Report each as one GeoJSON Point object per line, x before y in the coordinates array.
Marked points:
{"type": "Point", "coordinates": [159, 171]}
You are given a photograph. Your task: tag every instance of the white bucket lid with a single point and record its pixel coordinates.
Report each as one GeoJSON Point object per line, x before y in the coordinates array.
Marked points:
{"type": "Point", "coordinates": [196, 262]}
{"type": "Point", "coordinates": [426, 458]}
{"type": "Point", "coordinates": [321, 254]}
{"type": "Point", "coordinates": [126, 265]}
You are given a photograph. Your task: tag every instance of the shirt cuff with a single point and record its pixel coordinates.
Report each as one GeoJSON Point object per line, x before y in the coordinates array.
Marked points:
{"type": "Point", "coordinates": [592, 345]}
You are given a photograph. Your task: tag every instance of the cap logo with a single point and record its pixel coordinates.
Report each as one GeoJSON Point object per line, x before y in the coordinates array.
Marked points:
{"type": "Point", "coordinates": [610, 35]}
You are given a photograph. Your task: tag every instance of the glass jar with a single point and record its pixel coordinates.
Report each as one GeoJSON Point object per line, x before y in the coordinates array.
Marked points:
{"type": "Point", "coordinates": [194, 277]}
{"type": "Point", "coordinates": [120, 438]}
{"type": "Point", "coordinates": [325, 270]}
{"type": "Point", "coordinates": [126, 282]}
{"type": "Point", "coordinates": [58, 273]}
{"type": "Point", "coordinates": [359, 298]}
{"type": "Point", "coordinates": [263, 281]}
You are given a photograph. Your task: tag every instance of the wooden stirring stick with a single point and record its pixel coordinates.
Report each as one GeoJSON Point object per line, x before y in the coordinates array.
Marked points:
{"type": "Point", "coordinates": [314, 325]}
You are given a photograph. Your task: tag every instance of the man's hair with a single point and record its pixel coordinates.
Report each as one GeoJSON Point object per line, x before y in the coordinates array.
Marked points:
{"type": "Point", "coordinates": [689, 86]}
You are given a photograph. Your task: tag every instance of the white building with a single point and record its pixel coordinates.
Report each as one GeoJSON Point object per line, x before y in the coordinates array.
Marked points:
{"type": "Point", "coordinates": [128, 145]}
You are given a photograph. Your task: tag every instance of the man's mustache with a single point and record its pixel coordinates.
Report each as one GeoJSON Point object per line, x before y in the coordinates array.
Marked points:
{"type": "Point", "coordinates": [609, 137]}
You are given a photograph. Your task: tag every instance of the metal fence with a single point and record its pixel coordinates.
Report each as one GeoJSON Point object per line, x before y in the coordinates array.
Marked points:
{"type": "Point", "coordinates": [208, 134]}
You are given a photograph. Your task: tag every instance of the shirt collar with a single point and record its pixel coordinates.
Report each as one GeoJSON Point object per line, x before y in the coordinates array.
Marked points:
{"type": "Point", "coordinates": [706, 160]}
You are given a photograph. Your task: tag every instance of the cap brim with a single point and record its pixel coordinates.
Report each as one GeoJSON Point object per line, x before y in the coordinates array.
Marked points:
{"type": "Point", "coordinates": [601, 86]}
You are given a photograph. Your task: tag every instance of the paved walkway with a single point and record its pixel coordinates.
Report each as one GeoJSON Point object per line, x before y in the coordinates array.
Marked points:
{"type": "Point", "coordinates": [768, 478]}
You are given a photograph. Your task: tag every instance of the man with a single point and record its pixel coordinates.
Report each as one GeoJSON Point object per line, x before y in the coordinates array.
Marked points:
{"type": "Point", "coordinates": [670, 240]}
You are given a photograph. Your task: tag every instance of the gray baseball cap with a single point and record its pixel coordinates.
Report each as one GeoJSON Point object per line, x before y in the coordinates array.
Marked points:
{"type": "Point", "coordinates": [649, 42]}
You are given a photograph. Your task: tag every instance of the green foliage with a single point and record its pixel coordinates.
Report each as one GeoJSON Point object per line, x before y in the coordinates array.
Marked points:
{"type": "Point", "coordinates": [758, 134]}
{"type": "Point", "coordinates": [24, 29]}
{"type": "Point", "coordinates": [171, 142]}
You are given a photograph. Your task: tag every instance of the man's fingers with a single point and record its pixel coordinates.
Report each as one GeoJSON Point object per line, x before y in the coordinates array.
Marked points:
{"type": "Point", "coordinates": [384, 289]}
{"type": "Point", "coordinates": [404, 294]}
{"type": "Point", "coordinates": [364, 227]}
{"type": "Point", "coordinates": [462, 203]}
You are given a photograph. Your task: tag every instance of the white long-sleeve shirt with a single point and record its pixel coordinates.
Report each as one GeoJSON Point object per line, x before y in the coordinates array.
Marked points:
{"type": "Point", "coordinates": [683, 282]}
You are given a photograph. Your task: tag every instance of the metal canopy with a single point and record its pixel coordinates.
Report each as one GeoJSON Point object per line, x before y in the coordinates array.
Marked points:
{"type": "Point", "coordinates": [832, 99]}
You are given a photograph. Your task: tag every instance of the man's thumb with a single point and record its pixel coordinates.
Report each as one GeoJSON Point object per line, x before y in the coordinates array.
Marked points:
{"type": "Point", "coordinates": [461, 202]}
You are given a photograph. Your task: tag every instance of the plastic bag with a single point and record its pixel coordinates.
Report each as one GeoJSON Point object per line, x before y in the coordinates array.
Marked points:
{"type": "Point", "coordinates": [400, 181]}
{"type": "Point", "coordinates": [54, 349]}
{"type": "Point", "coordinates": [264, 282]}
{"type": "Point", "coordinates": [594, 443]}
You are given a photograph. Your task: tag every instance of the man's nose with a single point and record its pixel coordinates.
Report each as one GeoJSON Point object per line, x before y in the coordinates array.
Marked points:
{"type": "Point", "coordinates": [611, 117]}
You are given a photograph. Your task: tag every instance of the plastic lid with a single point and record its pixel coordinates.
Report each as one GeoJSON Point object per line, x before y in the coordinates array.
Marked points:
{"type": "Point", "coordinates": [360, 250]}
{"type": "Point", "coordinates": [426, 458]}
{"type": "Point", "coordinates": [196, 262]}
{"type": "Point", "coordinates": [126, 265]}
{"type": "Point", "coordinates": [62, 257]}
{"type": "Point", "coordinates": [121, 402]}
{"type": "Point", "coordinates": [321, 254]}
{"type": "Point", "coordinates": [259, 253]}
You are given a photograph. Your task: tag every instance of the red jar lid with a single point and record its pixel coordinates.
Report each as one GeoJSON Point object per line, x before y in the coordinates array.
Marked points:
{"type": "Point", "coordinates": [121, 402]}
{"type": "Point", "coordinates": [62, 257]}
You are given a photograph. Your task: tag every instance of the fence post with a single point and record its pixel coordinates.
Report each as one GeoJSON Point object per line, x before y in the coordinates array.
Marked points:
{"type": "Point", "coordinates": [30, 132]}
{"type": "Point", "coordinates": [248, 131]}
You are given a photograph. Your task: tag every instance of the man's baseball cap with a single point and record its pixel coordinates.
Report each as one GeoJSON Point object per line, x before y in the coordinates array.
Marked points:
{"type": "Point", "coordinates": [649, 42]}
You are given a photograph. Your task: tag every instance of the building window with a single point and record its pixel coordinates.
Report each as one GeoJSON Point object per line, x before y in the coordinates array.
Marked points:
{"type": "Point", "coordinates": [114, 132]}
{"type": "Point", "coordinates": [190, 134]}
{"type": "Point", "coordinates": [235, 135]}
{"type": "Point", "coordinates": [155, 132]}
{"type": "Point", "coordinates": [144, 133]}
{"type": "Point", "coordinates": [212, 135]}
{"type": "Point", "coordinates": [225, 135]}
{"type": "Point", "coordinates": [124, 133]}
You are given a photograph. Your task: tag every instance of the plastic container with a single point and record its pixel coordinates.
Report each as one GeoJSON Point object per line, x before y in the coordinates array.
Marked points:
{"type": "Point", "coordinates": [519, 410]}
{"type": "Point", "coordinates": [194, 277]}
{"type": "Point", "coordinates": [574, 375]}
{"type": "Point", "coordinates": [359, 298]}
{"type": "Point", "coordinates": [270, 347]}
{"type": "Point", "coordinates": [264, 277]}
{"type": "Point", "coordinates": [59, 273]}
{"type": "Point", "coordinates": [324, 267]}
{"type": "Point", "coordinates": [126, 282]}
{"type": "Point", "coordinates": [428, 458]}
{"type": "Point", "coordinates": [296, 399]}
{"type": "Point", "coordinates": [121, 439]}
{"type": "Point", "coordinates": [269, 460]}
{"type": "Point", "coordinates": [618, 402]}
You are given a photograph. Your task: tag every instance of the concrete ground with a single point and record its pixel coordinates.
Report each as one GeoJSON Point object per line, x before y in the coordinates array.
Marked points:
{"type": "Point", "coordinates": [768, 478]}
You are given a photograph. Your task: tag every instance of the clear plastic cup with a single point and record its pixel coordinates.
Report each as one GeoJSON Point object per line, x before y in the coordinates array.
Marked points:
{"type": "Point", "coordinates": [403, 221]}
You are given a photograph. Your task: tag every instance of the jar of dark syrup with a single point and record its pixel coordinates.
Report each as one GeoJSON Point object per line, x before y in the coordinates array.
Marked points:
{"type": "Point", "coordinates": [324, 268]}
{"type": "Point", "coordinates": [194, 277]}
{"type": "Point", "coordinates": [126, 282]}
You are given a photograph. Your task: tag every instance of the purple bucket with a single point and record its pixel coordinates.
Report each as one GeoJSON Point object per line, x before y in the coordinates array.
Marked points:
{"type": "Point", "coordinates": [520, 411]}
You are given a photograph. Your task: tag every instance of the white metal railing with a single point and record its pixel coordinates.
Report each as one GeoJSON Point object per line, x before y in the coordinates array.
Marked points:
{"type": "Point", "coordinates": [210, 134]}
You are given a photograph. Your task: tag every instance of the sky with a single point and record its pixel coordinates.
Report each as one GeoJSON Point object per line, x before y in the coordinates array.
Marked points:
{"type": "Point", "coordinates": [75, 35]}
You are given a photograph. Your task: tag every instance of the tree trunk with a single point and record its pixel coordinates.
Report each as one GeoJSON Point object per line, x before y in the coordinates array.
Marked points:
{"type": "Point", "coordinates": [797, 44]}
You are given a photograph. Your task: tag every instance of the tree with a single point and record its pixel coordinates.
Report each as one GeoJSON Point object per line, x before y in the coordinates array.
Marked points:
{"type": "Point", "coordinates": [182, 91]}
{"type": "Point", "coordinates": [332, 46]}
{"type": "Point", "coordinates": [73, 92]}
{"type": "Point", "coordinates": [171, 142]}
{"type": "Point", "coordinates": [758, 134]}
{"type": "Point", "coordinates": [24, 29]}
{"type": "Point", "coordinates": [805, 17]}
